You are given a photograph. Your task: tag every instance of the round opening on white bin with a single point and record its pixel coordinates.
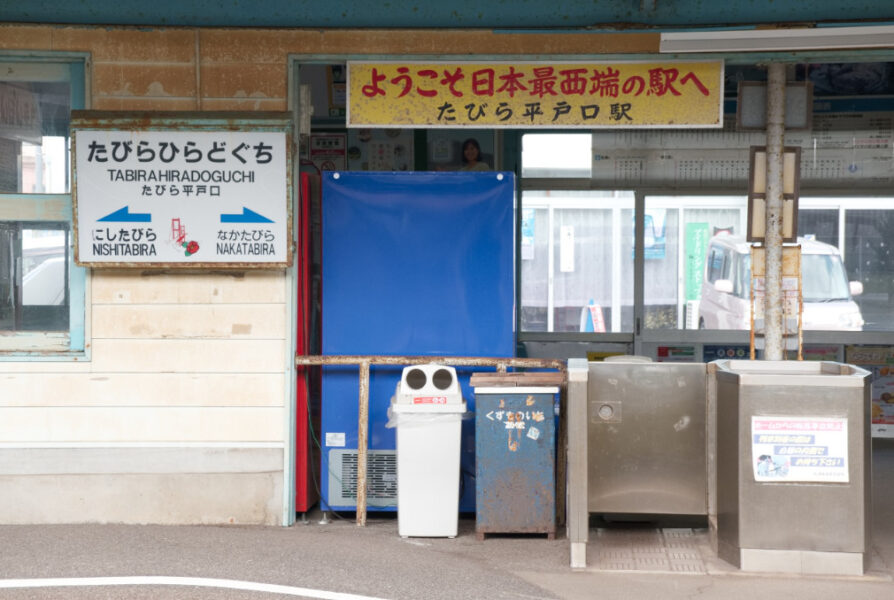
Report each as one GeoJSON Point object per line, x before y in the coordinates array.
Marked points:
{"type": "Point", "coordinates": [416, 379]}
{"type": "Point", "coordinates": [442, 379]}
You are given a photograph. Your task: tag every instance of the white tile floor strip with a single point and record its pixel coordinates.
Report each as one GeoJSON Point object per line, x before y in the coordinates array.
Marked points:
{"type": "Point", "coordinates": [179, 581]}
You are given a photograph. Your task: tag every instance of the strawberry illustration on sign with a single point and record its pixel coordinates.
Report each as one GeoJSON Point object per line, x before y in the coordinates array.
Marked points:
{"type": "Point", "coordinates": [178, 236]}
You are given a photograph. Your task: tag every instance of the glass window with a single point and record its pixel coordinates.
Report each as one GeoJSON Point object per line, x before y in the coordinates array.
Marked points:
{"type": "Point", "coordinates": [869, 259]}
{"type": "Point", "coordinates": [823, 279]}
{"type": "Point", "coordinates": [34, 277]}
{"type": "Point", "coordinates": [818, 224]}
{"type": "Point", "coordinates": [715, 265]}
{"type": "Point", "coordinates": [35, 103]}
{"type": "Point", "coordinates": [557, 155]}
{"type": "Point", "coordinates": [41, 290]}
{"type": "Point", "coordinates": [678, 259]}
{"type": "Point", "coordinates": [577, 261]}
{"type": "Point", "coordinates": [702, 245]}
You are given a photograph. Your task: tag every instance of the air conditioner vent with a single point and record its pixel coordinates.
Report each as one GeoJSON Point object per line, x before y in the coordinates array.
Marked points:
{"type": "Point", "coordinates": [381, 477]}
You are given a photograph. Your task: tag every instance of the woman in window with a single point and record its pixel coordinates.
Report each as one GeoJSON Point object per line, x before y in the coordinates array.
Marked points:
{"type": "Point", "coordinates": [472, 156]}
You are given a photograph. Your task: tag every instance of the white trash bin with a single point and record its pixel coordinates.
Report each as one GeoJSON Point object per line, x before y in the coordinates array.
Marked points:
{"type": "Point", "coordinates": [427, 411]}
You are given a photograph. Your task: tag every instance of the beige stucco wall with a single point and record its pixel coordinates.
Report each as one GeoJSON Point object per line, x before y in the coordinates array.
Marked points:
{"type": "Point", "coordinates": [246, 69]}
{"type": "Point", "coordinates": [178, 412]}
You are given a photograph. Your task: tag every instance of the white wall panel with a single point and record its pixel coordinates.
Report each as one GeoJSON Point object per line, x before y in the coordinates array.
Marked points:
{"type": "Point", "coordinates": [137, 287]}
{"type": "Point", "coordinates": [146, 424]}
{"type": "Point", "coordinates": [237, 321]}
{"type": "Point", "coordinates": [189, 356]}
{"type": "Point", "coordinates": [142, 389]}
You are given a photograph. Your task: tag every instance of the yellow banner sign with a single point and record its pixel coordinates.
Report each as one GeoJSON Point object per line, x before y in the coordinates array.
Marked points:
{"type": "Point", "coordinates": [531, 95]}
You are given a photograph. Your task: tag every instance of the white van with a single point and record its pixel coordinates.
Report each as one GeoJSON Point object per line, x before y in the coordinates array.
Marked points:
{"type": "Point", "coordinates": [725, 300]}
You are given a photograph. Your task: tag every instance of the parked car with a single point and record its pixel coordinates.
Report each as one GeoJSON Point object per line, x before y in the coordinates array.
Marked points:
{"type": "Point", "coordinates": [44, 269]}
{"type": "Point", "coordinates": [828, 296]}
{"type": "Point", "coordinates": [45, 284]}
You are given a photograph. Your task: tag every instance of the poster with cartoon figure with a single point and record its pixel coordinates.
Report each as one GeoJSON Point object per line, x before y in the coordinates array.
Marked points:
{"type": "Point", "coordinates": [799, 449]}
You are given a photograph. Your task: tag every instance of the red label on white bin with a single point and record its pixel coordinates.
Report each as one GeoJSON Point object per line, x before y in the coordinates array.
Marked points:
{"type": "Point", "coordinates": [430, 400]}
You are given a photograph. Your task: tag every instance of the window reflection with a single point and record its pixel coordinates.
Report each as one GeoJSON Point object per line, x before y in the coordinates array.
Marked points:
{"type": "Point", "coordinates": [556, 155]}
{"type": "Point", "coordinates": [34, 120]}
{"type": "Point", "coordinates": [577, 261]}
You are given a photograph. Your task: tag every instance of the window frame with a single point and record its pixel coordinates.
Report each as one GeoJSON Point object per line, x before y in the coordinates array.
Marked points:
{"type": "Point", "coordinates": [50, 208]}
{"type": "Point", "coordinates": [842, 200]}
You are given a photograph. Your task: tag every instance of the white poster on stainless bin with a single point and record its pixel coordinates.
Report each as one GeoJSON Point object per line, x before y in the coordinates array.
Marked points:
{"type": "Point", "coordinates": [804, 449]}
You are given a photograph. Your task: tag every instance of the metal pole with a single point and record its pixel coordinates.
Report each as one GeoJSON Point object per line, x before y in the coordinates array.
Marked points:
{"type": "Point", "coordinates": [578, 518]}
{"type": "Point", "coordinates": [362, 430]}
{"type": "Point", "coordinates": [773, 325]}
{"type": "Point", "coordinates": [458, 361]}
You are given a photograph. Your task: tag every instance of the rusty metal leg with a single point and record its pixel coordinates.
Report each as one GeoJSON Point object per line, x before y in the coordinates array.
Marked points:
{"type": "Point", "coordinates": [362, 432]}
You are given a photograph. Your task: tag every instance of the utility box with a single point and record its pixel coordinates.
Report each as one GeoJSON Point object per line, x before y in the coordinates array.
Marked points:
{"type": "Point", "coordinates": [427, 412]}
{"type": "Point", "coordinates": [793, 466]}
{"type": "Point", "coordinates": [515, 450]}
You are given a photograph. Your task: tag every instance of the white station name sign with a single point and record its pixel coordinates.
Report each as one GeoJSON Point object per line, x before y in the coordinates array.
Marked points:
{"type": "Point", "coordinates": [200, 197]}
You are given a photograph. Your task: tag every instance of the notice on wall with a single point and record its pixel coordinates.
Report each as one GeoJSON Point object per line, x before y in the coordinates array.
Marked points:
{"type": "Point", "coordinates": [675, 354]}
{"type": "Point", "coordinates": [830, 353]}
{"type": "Point", "coordinates": [381, 150]}
{"type": "Point", "coordinates": [850, 141]}
{"type": "Point", "coordinates": [328, 151]}
{"type": "Point", "coordinates": [20, 113]}
{"type": "Point", "coordinates": [527, 233]}
{"type": "Point", "coordinates": [799, 449]}
{"type": "Point", "coordinates": [791, 287]}
{"type": "Point", "coordinates": [697, 236]}
{"type": "Point", "coordinates": [179, 193]}
{"type": "Point", "coordinates": [878, 360]}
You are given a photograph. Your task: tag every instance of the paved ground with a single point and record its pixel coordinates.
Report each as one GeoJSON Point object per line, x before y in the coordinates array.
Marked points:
{"type": "Point", "coordinates": [339, 559]}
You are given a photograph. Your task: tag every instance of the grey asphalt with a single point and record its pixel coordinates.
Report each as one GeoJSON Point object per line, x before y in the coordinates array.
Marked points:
{"type": "Point", "coordinates": [375, 561]}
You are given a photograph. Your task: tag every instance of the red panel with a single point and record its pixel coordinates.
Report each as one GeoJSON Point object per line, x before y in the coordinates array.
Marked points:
{"type": "Point", "coordinates": [306, 483]}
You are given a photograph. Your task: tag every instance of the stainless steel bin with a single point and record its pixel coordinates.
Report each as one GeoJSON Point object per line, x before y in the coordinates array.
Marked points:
{"type": "Point", "coordinates": [793, 466]}
{"type": "Point", "coordinates": [646, 428]}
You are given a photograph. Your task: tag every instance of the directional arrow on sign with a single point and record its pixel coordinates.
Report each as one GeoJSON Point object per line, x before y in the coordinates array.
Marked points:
{"type": "Point", "coordinates": [123, 215]}
{"type": "Point", "coordinates": [247, 216]}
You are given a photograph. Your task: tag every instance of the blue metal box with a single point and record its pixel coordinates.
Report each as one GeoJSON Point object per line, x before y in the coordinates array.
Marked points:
{"type": "Point", "coordinates": [515, 452]}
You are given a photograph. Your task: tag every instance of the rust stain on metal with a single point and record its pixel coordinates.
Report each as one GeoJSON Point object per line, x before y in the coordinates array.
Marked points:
{"type": "Point", "coordinates": [458, 361]}
{"type": "Point", "coordinates": [518, 503]}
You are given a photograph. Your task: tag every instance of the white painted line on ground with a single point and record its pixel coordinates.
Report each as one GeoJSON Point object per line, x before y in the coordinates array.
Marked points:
{"type": "Point", "coordinates": [181, 581]}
